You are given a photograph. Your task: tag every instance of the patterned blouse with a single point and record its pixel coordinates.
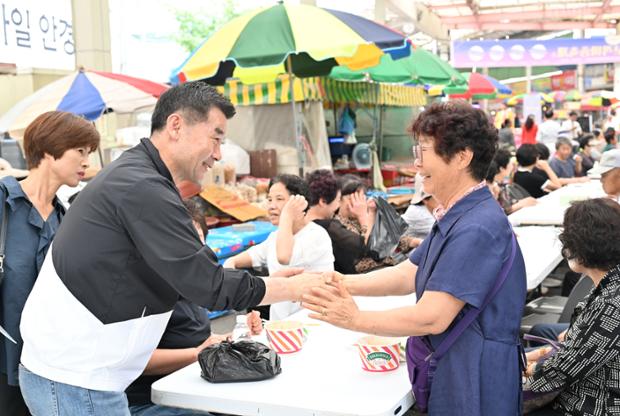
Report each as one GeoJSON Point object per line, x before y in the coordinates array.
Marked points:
{"type": "Point", "coordinates": [587, 369]}
{"type": "Point", "coordinates": [367, 263]}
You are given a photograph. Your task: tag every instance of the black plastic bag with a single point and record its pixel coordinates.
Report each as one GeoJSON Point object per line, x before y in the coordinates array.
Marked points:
{"type": "Point", "coordinates": [386, 232]}
{"type": "Point", "coordinates": [229, 362]}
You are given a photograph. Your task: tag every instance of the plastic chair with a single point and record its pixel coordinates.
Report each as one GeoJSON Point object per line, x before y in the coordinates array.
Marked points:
{"type": "Point", "coordinates": [579, 292]}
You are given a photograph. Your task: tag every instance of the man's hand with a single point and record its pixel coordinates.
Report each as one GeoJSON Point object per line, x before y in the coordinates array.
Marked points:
{"type": "Point", "coordinates": [288, 272]}
{"type": "Point", "coordinates": [332, 278]}
{"type": "Point", "coordinates": [254, 322]}
{"type": "Point", "coordinates": [332, 304]}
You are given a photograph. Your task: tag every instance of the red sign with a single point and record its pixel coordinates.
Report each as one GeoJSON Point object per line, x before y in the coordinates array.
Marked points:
{"type": "Point", "coordinates": [565, 81]}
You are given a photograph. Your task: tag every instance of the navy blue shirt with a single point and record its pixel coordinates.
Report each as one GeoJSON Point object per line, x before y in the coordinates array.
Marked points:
{"type": "Point", "coordinates": [462, 256]}
{"type": "Point", "coordinates": [27, 240]}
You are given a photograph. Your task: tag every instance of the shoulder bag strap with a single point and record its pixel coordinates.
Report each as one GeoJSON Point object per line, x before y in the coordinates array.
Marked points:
{"type": "Point", "coordinates": [473, 313]}
{"type": "Point", "coordinates": [3, 230]}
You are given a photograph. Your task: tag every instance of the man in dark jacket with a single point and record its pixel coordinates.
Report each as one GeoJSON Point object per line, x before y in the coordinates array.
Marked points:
{"type": "Point", "coordinates": [126, 252]}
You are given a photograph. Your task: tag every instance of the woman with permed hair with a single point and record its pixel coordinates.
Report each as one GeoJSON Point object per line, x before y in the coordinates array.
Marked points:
{"type": "Point", "coordinates": [586, 369]}
{"type": "Point", "coordinates": [470, 252]}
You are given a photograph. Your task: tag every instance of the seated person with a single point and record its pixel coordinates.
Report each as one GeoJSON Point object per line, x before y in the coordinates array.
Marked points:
{"type": "Point", "coordinates": [609, 170]}
{"type": "Point", "coordinates": [357, 214]}
{"type": "Point", "coordinates": [506, 135]}
{"type": "Point", "coordinates": [511, 196]}
{"type": "Point", "coordinates": [563, 163]}
{"type": "Point", "coordinates": [611, 139]}
{"type": "Point", "coordinates": [297, 243]}
{"type": "Point", "coordinates": [419, 215]}
{"type": "Point", "coordinates": [188, 332]}
{"type": "Point", "coordinates": [587, 147]}
{"type": "Point", "coordinates": [587, 369]}
{"type": "Point", "coordinates": [534, 183]}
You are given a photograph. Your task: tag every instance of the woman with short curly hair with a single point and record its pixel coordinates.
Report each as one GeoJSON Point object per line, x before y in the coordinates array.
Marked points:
{"type": "Point", "coordinates": [451, 272]}
{"type": "Point", "coordinates": [587, 368]}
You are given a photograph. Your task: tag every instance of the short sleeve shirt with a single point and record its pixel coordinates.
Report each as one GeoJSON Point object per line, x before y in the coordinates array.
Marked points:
{"type": "Point", "coordinates": [463, 255]}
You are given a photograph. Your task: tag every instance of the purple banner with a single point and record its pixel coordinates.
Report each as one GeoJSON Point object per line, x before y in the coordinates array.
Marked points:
{"type": "Point", "coordinates": [532, 52]}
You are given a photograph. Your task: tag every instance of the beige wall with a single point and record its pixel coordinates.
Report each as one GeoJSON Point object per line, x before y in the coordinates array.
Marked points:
{"type": "Point", "coordinates": [91, 31]}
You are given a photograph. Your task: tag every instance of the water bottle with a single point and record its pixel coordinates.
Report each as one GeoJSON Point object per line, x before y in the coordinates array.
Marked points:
{"type": "Point", "coordinates": [241, 330]}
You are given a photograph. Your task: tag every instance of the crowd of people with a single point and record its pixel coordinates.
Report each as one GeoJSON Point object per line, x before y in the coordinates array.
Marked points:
{"type": "Point", "coordinates": [120, 297]}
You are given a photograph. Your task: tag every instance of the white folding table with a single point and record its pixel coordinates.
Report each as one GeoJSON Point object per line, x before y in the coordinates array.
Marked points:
{"type": "Point", "coordinates": [324, 378]}
{"type": "Point", "coordinates": [550, 208]}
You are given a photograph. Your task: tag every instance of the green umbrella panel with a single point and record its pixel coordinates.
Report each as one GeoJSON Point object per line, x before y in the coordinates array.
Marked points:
{"type": "Point", "coordinates": [421, 67]}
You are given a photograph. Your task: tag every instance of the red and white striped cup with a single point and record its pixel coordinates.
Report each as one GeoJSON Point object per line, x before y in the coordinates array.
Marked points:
{"type": "Point", "coordinates": [285, 337]}
{"type": "Point", "coordinates": [379, 354]}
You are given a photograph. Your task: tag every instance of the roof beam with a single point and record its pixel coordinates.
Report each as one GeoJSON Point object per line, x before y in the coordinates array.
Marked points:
{"type": "Point", "coordinates": [421, 16]}
{"type": "Point", "coordinates": [474, 7]}
{"type": "Point", "coordinates": [447, 6]}
{"type": "Point", "coordinates": [541, 26]}
{"type": "Point", "coordinates": [546, 14]}
{"type": "Point", "coordinates": [604, 6]}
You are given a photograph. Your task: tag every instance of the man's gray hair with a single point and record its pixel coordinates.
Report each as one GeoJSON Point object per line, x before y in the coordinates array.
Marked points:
{"type": "Point", "coordinates": [193, 100]}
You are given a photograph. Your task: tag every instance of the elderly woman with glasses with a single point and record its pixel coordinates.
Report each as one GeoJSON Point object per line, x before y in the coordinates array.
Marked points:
{"type": "Point", "coordinates": [452, 272]}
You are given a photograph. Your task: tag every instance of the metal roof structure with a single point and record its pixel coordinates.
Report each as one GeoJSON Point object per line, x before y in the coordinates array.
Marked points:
{"type": "Point", "coordinates": [525, 15]}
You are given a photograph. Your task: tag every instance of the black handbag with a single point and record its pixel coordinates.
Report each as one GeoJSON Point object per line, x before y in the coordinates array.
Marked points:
{"type": "Point", "coordinates": [229, 362]}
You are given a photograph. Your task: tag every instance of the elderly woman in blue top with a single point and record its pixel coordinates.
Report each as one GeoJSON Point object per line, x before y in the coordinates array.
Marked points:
{"type": "Point", "coordinates": [452, 271]}
{"type": "Point", "coordinates": [57, 145]}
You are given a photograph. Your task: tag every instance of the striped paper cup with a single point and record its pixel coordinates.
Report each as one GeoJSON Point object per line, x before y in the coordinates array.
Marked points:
{"type": "Point", "coordinates": [379, 354]}
{"type": "Point", "coordinates": [285, 337]}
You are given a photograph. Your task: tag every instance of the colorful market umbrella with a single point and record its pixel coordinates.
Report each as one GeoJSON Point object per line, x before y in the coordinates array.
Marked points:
{"type": "Point", "coordinates": [85, 93]}
{"type": "Point", "coordinates": [299, 39]}
{"type": "Point", "coordinates": [573, 95]}
{"type": "Point", "coordinates": [598, 99]}
{"type": "Point", "coordinates": [436, 90]}
{"type": "Point", "coordinates": [480, 87]}
{"type": "Point", "coordinates": [420, 67]}
{"type": "Point", "coordinates": [518, 99]}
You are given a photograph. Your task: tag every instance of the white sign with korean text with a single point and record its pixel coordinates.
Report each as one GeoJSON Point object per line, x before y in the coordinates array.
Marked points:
{"type": "Point", "coordinates": [37, 34]}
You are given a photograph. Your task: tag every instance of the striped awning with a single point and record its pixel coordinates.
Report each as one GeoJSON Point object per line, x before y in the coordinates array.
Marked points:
{"type": "Point", "coordinates": [276, 92]}
{"type": "Point", "coordinates": [324, 89]}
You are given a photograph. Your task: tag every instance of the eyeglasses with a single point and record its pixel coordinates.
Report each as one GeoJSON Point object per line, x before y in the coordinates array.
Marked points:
{"type": "Point", "coordinates": [418, 151]}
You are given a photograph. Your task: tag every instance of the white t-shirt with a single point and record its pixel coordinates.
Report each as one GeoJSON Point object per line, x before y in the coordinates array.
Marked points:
{"type": "Point", "coordinates": [548, 132]}
{"type": "Point", "coordinates": [567, 127]}
{"type": "Point", "coordinates": [312, 251]}
{"type": "Point", "coordinates": [419, 220]}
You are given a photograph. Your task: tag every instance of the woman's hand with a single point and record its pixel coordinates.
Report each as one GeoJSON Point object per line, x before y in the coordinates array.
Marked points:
{"type": "Point", "coordinates": [411, 242]}
{"type": "Point", "coordinates": [294, 208]}
{"type": "Point", "coordinates": [212, 340]}
{"type": "Point", "coordinates": [358, 206]}
{"type": "Point", "coordinates": [533, 357]}
{"type": "Point", "coordinates": [332, 303]}
{"type": "Point", "coordinates": [254, 322]}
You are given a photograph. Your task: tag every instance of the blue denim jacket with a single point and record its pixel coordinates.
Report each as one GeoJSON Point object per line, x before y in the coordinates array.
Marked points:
{"type": "Point", "coordinates": [27, 240]}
